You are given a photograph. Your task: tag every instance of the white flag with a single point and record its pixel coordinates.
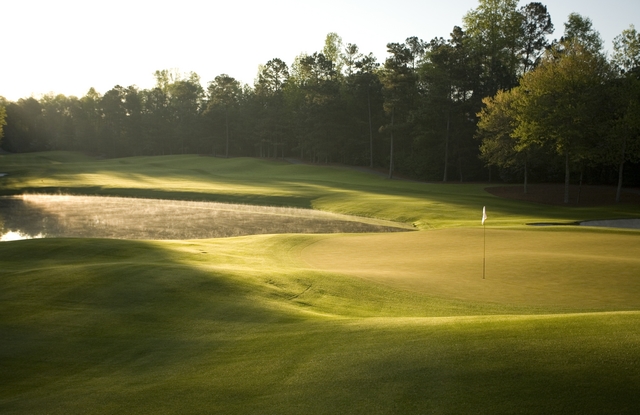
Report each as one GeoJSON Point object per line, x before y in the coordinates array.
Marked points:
{"type": "Point", "coordinates": [484, 214]}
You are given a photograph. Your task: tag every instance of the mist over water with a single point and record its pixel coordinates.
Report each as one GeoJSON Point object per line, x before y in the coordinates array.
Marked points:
{"type": "Point", "coordinates": [54, 216]}
{"type": "Point", "coordinates": [16, 236]}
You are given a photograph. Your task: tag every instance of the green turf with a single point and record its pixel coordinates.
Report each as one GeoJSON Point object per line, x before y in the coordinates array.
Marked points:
{"type": "Point", "coordinates": [280, 324]}
{"type": "Point", "coordinates": [253, 181]}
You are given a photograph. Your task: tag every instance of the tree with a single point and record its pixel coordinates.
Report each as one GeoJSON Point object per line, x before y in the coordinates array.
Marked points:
{"type": "Point", "coordinates": [157, 120]}
{"type": "Point", "coordinates": [272, 77]}
{"type": "Point", "coordinates": [166, 77]}
{"type": "Point", "coordinates": [367, 79]}
{"type": "Point", "coordinates": [437, 75]}
{"type": "Point", "coordinates": [87, 119]}
{"type": "Point", "coordinates": [536, 25]}
{"type": "Point", "coordinates": [626, 50]}
{"type": "Point", "coordinates": [224, 93]}
{"type": "Point", "coordinates": [496, 125]}
{"type": "Point", "coordinates": [186, 100]}
{"type": "Point", "coordinates": [58, 121]}
{"type": "Point", "coordinates": [26, 128]}
{"type": "Point", "coordinates": [332, 51]}
{"type": "Point", "coordinates": [450, 97]}
{"type": "Point", "coordinates": [350, 57]}
{"type": "Point", "coordinates": [269, 91]}
{"type": "Point", "coordinates": [494, 29]}
{"type": "Point", "coordinates": [133, 128]}
{"type": "Point", "coordinates": [417, 48]}
{"type": "Point", "coordinates": [3, 116]}
{"type": "Point", "coordinates": [314, 91]}
{"type": "Point", "coordinates": [399, 87]}
{"type": "Point", "coordinates": [113, 115]}
{"type": "Point", "coordinates": [561, 104]}
{"type": "Point", "coordinates": [624, 139]}
{"type": "Point", "coordinates": [580, 29]}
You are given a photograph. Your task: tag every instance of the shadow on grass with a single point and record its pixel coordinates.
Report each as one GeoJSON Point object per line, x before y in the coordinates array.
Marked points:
{"type": "Point", "coordinates": [72, 310]}
{"type": "Point", "coordinates": [112, 327]}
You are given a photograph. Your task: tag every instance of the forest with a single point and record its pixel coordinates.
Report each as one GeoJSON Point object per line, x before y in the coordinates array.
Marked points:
{"type": "Point", "coordinates": [498, 99]}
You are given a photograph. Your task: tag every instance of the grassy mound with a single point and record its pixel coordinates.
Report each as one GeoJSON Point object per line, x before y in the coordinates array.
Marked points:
{"type": "Point", "coordinates": [239, 326]}
{"type": "Point", "coordinates": [318, 324]}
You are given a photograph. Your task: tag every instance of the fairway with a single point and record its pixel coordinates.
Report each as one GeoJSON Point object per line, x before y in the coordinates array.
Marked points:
{"type": "Point", "coordinates": [378, 323]}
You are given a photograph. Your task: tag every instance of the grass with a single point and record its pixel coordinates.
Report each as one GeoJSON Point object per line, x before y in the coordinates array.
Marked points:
{"type": "Point", "coordinates": [268, 183]}
{"type": "Point", "coordinates": [318, 324]}
{"type": "Point", "coordinates": [585, 269]}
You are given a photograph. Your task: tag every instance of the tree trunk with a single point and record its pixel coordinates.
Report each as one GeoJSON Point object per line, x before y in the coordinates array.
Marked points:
{"type": "Point", "coordinates": [370, 130]}
{"type": "Point", "coordinates": [446, 146]}
{"type": "Point", "coordinates": [391, 150]}
{"type": "Point", "coordinates": [620, 170]}
{"type": "Point", "coordinates": [526, 178]}
{"type": "Point", "coordinates": [566, 176]}
{"type": "Point", "coordinates": [226, 120]}
{"type": "Point", "coordinates": [619, 189]}
{"type": "Point", "coordinates": [579, 187]}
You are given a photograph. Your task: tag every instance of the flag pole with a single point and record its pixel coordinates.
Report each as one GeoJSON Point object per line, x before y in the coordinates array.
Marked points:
{"type": "Point", "coordinates": [484, 251]}
{"type": "Point", "coordinates": [484, 242]}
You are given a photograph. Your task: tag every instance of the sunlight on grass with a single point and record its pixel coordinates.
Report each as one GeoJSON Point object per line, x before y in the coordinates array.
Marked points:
{"type": "Point", "coordinates": [339, 190]}
{"type": "Point", "coordinates": [546, 268]}
{"type": "Point", "coordinates": [231, 326]}
{"type": "Point", "coordinates": [316, 324]}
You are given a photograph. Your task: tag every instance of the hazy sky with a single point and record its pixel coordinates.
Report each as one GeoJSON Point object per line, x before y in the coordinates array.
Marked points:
{"type": "Point", "coordinates": [65, 46]}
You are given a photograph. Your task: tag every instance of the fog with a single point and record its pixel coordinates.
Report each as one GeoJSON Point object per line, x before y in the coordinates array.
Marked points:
{"type": "Point", "coordinates": [55, 216]}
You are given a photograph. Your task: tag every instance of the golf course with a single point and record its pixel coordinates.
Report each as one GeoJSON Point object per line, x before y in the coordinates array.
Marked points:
{"type": "Point", "coordinates": [426, 311]}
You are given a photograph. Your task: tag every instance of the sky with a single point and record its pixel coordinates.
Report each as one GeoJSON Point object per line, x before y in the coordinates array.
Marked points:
{"type": "Point", "coordinates": [67, 46]}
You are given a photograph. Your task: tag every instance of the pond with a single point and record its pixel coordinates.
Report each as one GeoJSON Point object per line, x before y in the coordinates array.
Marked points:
{"type": "Point", "coordinates": [54, 216]}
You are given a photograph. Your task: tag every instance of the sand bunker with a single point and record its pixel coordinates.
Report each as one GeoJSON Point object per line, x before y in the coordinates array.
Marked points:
{"type": "Point", "coordinates": [614, 223]}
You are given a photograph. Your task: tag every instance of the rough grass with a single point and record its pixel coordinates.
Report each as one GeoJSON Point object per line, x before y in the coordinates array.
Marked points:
{"type": "Point", "coordinates": [288, 324]}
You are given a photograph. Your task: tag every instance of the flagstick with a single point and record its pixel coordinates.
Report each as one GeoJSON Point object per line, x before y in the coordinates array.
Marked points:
{"type": "Point", "coordinates": [484, 252]}
{"type": "Point", "coordinates": [484, 239]}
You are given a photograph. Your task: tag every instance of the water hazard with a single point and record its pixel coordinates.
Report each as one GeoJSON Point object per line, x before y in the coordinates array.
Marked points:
{"type": "Point", "coordinates": [54, 216]}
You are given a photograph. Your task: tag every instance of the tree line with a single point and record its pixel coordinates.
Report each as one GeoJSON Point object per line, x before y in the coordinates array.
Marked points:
{"type": "Point", "coordinates": [576, 110]}
{"type": "Point", "coordinates": [465, 107]}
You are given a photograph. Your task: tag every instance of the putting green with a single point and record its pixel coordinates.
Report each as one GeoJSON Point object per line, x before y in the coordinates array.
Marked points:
{"type": "Point", "coordinates": [572, 269]}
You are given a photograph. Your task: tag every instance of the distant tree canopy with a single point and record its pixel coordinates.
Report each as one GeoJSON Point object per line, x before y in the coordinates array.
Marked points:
{"type": "Point", "coordinates": [495, 95]}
